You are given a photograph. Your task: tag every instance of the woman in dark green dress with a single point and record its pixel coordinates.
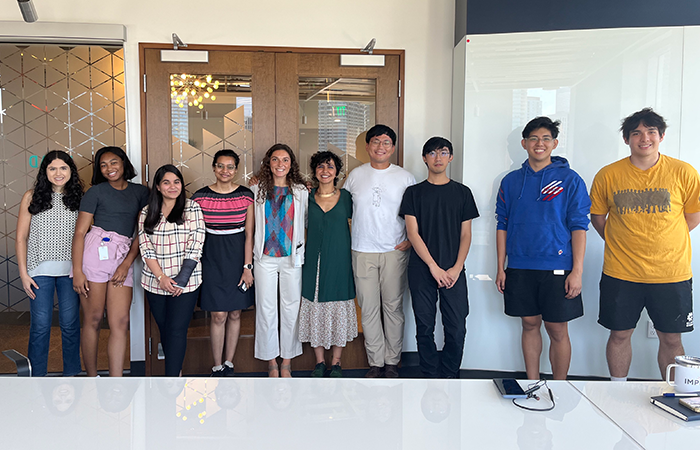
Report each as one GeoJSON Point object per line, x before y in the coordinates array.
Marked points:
{"type": "Point", "coordinates": [327, 317]}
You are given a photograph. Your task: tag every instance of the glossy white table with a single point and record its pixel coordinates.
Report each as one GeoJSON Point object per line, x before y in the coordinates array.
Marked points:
{"type": "Point", "coordinates": [627, 405]}
{"type": "Point", "coordinates": [244, 413]}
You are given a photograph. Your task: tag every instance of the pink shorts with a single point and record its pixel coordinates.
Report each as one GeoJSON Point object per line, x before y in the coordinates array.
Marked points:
{"type": "Point", "coordinates": [101, 271]}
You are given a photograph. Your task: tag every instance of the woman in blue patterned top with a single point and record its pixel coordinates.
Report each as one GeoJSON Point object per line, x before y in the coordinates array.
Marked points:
{"type": "Point", "coordinates": [280, 216]}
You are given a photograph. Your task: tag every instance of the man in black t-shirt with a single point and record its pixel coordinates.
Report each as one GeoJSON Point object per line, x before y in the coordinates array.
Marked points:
{"type": "Point", "coordinates": [438, 214]}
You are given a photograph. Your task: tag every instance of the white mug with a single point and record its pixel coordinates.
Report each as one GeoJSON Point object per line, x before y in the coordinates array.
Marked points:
{"type": "Point", "coordinates": [687, 376]}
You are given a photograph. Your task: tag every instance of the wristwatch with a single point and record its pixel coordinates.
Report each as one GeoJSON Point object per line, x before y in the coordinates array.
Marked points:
{"type": "Point", "coordinates": [248, 266]}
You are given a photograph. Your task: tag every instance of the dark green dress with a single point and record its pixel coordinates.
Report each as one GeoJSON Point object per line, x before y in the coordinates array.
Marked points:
{"type": "Point", "coordinates": [327, 315]}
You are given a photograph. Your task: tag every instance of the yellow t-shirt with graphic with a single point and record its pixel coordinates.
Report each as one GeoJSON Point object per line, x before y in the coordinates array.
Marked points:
{"type": "Point", "coordinates": [646, 234]}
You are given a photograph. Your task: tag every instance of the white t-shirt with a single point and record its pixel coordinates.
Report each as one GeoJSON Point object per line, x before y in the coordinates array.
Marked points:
{"type": "Point", "coordinates": [376, 198]}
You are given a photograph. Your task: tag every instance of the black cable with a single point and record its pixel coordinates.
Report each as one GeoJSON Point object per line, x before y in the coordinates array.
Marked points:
{"type": "Point", "coordinates": [532, 393]}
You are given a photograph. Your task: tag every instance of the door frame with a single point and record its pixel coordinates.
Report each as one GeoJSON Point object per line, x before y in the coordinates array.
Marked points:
{"type": "Point", "coordinates": [273, 52]}
{"type": "Point", "coordinates": [240, 48]}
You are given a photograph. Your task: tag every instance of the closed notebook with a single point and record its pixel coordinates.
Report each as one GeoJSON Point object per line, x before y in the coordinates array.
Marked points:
{"type": "Point", "coordinates": [672, 406]}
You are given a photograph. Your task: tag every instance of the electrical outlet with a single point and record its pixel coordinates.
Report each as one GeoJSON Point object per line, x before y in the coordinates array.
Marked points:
{"type": "Point", "coordinates": [651, 331]}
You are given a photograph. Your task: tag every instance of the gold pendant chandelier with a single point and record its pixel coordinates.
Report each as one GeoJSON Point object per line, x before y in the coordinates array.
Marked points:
{"type": "Point", "coordinates": [191, 90]}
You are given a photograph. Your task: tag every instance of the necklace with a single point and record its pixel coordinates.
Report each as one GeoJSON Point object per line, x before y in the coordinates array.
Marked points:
{"type": "Point", "coordinates": [327, 195]}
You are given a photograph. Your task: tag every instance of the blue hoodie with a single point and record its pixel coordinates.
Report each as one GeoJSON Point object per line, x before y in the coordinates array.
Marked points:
{"type": "Point", "coordinates": [539, 210]}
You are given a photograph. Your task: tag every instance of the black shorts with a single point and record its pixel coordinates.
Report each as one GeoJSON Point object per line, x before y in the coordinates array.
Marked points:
{"type": "Point", "coordinates": [540, 292]}
{"type": "Point", "coordinates": [670, 305]}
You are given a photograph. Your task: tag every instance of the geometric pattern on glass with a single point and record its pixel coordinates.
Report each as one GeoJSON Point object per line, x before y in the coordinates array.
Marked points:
{"type": "Point", "coordinates": [207, 119]}
{"type": "Point", "coordinates": [52, 97]}
{"type": "Point", "coordinates": [333, 113]}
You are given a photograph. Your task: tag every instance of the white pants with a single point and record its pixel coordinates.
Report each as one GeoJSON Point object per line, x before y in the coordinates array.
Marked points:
{"type": "Point", "coordinates": [270, 344]}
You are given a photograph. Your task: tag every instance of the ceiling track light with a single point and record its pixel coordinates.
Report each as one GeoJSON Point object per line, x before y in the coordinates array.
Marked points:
{"type": "Point", "coordinates": [28, 10]}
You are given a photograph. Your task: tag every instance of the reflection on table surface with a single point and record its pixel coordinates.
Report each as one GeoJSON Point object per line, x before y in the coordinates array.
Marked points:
{"type": "Point", "coordinates": [170, 413]}
{"type": "Point", "coordinates": [628, 405]}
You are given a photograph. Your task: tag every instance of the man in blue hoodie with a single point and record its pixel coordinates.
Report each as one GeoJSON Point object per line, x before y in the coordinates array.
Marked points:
{"type": "Point", "coordinates": [542, 213]}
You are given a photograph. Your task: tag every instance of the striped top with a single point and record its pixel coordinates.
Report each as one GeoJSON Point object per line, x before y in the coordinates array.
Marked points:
{"type": "Point", "coordinates": [224, 213]}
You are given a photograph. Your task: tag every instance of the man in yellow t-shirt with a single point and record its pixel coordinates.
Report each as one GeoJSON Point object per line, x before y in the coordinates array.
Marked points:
{"type": "Point", "coordinates": [644, 207]}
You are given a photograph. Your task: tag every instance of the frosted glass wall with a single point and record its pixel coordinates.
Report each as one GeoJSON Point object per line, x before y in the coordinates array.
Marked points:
{"type": "Point", "coordinates": [589, 80]}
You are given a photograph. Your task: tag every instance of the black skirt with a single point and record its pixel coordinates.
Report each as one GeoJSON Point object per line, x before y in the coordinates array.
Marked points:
{"type": "Point", "coordinates": [223, 257]}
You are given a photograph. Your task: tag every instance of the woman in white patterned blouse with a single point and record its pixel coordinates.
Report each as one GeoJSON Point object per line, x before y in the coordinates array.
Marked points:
{"type": "Point", "coordinates": [45, 227]}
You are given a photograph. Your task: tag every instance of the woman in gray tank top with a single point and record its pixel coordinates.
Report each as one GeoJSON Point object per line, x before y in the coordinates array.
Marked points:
{"type": "Point", "coordinates": [45, 229]}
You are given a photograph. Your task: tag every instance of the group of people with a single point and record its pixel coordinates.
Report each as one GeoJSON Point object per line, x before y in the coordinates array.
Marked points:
{"type": "Point", "coordinates": [291, 251]}
{"type": "Point", "coordinates": [79, 246]}
{"type": "Point", "coordinates": [643, 206]}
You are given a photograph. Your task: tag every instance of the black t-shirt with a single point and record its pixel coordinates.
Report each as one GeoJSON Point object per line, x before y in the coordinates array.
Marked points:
{"type": "Point", "coordinates": [439, 211]}
{"type": "Point", "coordinates": [115, 210]}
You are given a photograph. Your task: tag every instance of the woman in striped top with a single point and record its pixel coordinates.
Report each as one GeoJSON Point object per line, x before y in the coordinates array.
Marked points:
{"type": "Point", "coordinates": [227, 260]}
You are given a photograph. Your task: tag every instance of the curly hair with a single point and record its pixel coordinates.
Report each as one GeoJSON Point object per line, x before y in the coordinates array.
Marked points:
{"type": "Point", "coordinates": [325, 157]}
{"type": "Point", "coordinates": [264, 175]}
{"type": "Point", "coordinates": [72, 190]}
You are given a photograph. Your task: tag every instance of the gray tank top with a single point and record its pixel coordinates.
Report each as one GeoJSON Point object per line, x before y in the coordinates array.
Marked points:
{"type": "Point", "coordinates": [51, 233]}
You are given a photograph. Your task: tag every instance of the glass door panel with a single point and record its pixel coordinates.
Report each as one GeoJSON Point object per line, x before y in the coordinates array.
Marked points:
{"type": "Point", "coordinates": [210, 113]}
{"type": "Point", "coordinates": [334, 115]}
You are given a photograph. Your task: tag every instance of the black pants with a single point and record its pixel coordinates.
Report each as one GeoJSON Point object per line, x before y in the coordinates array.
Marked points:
{"type": "Point", "coordinates": [173, 315]}
{"type": "Point", "coordinates": [454, 307]}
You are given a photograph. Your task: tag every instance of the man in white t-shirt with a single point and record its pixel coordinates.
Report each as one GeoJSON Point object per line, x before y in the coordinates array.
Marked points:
{"type": "Point", "coordinates": [380, 250]}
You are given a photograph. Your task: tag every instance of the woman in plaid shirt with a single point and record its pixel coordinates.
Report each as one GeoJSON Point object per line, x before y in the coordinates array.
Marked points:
{"type": "Point", "coordinates": [171, 236]}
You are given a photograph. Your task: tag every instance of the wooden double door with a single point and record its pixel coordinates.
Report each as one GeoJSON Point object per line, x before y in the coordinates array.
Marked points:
{"type": "Point", "coordinates": [248, 99]}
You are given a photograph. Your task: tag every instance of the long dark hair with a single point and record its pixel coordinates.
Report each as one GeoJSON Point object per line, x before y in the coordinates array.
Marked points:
{"type": "Point", "coordinates": [72, 190]}
{"type": "Point", "coordinates": [97, 177]}
{"type": "Point", "coordinates": [267, 182]}
{"type": "Point", "coordinates": [155, 201]}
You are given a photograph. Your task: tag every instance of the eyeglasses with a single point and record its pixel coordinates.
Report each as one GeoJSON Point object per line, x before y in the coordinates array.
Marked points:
{"type": "Point", "coordinates": [442, 153]}
{"type": "Point", "coordinates": [535, 139]}
{"type": "Point", "coordinates": [229, 167]}
{"type": "Point", "coordinates": [377, 143]}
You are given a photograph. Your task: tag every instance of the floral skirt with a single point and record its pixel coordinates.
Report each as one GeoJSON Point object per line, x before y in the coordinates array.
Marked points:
{"type": "Point", "coordinates": [326, 324]}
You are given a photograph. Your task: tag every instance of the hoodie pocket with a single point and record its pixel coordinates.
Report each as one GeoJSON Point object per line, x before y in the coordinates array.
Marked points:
{"type": "Point", "coordinates": [538, 240]}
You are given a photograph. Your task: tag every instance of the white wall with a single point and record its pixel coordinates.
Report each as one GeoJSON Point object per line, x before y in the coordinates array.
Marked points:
{"type": "Point", "coordinates": [590, 80]}
{"type": "Point", "coordinates": [424, 29]}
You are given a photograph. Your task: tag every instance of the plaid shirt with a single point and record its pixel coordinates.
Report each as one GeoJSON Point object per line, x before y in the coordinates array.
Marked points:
{"type": "Point", "coordinates": [170, 244]}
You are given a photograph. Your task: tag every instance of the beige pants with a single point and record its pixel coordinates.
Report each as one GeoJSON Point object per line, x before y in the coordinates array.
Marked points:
{"type": "Point", "coordinates": [380, 282]}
